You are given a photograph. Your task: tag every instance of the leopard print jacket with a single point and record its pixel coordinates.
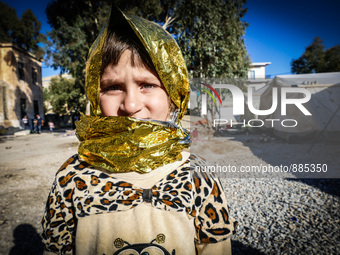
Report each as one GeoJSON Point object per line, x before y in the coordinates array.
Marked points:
{"type": "Point", "coordinates": [80, 190]}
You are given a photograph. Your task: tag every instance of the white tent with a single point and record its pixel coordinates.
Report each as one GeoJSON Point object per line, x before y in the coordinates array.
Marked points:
{"type": "Point", "coordinates": [324, 106]}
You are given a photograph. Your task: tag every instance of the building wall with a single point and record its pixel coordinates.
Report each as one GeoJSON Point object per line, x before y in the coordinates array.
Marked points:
{"type": "Point", "coordinates": [20, 86]}
{"type": "Point", "coordinates": [257, 70]}
{"type": "Point", "coordinates": [257, 75]}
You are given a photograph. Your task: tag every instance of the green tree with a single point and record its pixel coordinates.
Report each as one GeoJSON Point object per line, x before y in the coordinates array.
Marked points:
{"type": "Point", "coordinates": [27, 35]}
{"type": "Point", "coordinates": [210, 34]}
{"type": "Point", "coordinates": [316, 59]}
{"type": "Point", "coordinates": [332, 59]}
{"type": "Point", "coordinates": [23, 32]}
{"type": "Point", "coordinates": [64, 96]}
{"type": "Point", "coordinates": [8, 22]}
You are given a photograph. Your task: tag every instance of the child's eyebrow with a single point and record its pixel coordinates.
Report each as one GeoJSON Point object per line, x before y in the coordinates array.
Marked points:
{"type": "Point", "coordinates": [148, 78]}
{"type": "Point", "coordinates": [140, 79]}
{"type": "Point", "coordinates": [107, 82]}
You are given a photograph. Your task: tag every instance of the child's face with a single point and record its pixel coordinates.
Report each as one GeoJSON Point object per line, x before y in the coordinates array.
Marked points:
{"type": "Point", "coordinates": [134, 91]}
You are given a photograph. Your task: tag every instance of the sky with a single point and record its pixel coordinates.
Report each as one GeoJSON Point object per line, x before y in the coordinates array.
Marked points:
{"type": "Point", "coordinates": [278, 31]}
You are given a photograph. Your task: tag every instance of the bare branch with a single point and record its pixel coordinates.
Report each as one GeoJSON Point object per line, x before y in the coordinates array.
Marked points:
{"type": "Point", "coordinates": [168, 21]}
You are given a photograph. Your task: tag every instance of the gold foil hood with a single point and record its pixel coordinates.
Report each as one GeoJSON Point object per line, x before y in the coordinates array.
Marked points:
{"type": "Point", "coordinates": [162, 49]}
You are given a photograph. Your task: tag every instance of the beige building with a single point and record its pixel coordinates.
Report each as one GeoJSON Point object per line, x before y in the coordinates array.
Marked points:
{"type": "Point", "coordinates": [20, 86]}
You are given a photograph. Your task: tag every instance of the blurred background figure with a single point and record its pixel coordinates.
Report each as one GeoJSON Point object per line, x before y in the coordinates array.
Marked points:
{"type": "Point", "coordinates": [51, 125]}
{"type": "Point", "coordinates": [39, 124]}
{"type": "Point", "coordinates": [25, 122]}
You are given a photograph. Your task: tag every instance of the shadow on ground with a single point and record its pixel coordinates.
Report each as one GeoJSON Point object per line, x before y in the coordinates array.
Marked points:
{"type": "Point", "coordinates": [26, 241]}
{"type": "Point", "coordinates": [330, 186]}
{"type": "Point", "coordinates": [241, 249]}
{"type": "Point", "coordinates": [299, 154]}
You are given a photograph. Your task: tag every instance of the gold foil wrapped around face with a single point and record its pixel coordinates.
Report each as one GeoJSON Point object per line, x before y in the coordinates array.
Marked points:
{"type": "Point", "coordinates": [123, 144]}
{"type": "Point", "coordinates": [163, 51]}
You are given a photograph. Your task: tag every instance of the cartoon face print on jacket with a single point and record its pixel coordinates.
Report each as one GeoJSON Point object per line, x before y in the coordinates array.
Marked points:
{"type": "Point", "coordinates": [143, 248]}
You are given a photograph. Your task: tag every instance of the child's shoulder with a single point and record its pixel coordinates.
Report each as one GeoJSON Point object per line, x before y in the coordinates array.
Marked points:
{"type": "Point", "coordinates": [72, 163]}
{"type": "Point", "coordinates": [194, 166]}
{"type": "Point", "coordinates": [196, 160]}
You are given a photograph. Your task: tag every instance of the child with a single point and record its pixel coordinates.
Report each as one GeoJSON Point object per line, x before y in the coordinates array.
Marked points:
{"type": "Point", "coordinates": [40, 123]}
{"type": "Point", "coordinates": [25, 122]}
{"type": "Point", "coordinates": [132, 188]}
{"type": "Point", "coordinates": [51, 126]}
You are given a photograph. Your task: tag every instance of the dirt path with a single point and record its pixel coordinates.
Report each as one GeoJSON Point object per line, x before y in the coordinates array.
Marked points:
{"type": "Point", "coordinates": [27, 167]}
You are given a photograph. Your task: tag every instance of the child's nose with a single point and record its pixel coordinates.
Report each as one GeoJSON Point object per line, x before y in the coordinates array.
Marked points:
{"type": "Point", "coordinates": [132, 103]}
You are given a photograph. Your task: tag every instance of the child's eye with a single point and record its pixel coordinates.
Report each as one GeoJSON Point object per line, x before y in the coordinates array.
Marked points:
{"type": "Point", "coordinates": [148, 86]}
{"type": "Point", "coordinates": [111, 88]}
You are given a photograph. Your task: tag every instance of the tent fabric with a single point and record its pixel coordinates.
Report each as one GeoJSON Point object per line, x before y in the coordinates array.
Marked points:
{"type": "Point", "coordinates": [324, 105]}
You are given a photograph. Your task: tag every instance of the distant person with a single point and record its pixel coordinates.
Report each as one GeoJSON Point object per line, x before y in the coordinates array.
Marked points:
{"type": "Point", "coordinates": [34, 126]}
{"type": "Point", "coordinates": [25, 122]}
{"type": "Point", "coordinates": [195, 133]}
{"type": "Point", "coordinates": [74, 120]}
{"type": "Point", "coordinates": [51, 126]}
{"type": "Point", "coordinates": [40, 123]}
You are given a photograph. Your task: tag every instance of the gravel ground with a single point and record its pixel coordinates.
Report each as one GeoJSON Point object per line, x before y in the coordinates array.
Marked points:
{"type": "Point", "coordinates": [276, 215]}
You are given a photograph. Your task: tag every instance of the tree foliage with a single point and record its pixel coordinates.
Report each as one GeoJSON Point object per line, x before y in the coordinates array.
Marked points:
{"type": "Point", "coordinates": [210, 34]}
{"type": "Point", "coordinates": [8, 22]}
{"type": "Point", "coordinates": [64, 96]}
{"type": "Point", "coordinates": [77, 23]}
{"type": "Point", "coordinates": [23, 32]}
{"type": "Point", "coordinates": [316, 59]}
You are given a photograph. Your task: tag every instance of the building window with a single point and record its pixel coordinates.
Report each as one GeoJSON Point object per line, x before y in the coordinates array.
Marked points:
{"type": "Point", "coordinates": [34, 75]}
{"type": "Point", "coordinates": [21, 71]}
{"type": "Point", "coordinates": [251, 75]}
{"type": "Point", "coordinates": [35, 107]}
{"type": "Point", "coordinates": [23, 107]}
